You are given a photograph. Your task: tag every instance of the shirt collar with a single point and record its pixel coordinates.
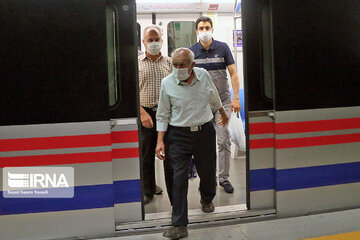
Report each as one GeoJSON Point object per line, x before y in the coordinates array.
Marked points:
{"type": "Point", "coordinates": [212, 46]}
{"type": "Point", "coordinates": [144, 56]}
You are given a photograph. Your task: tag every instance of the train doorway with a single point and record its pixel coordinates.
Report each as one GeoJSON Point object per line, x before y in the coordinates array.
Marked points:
{"type": "Point", "coordinates": [179, 31]}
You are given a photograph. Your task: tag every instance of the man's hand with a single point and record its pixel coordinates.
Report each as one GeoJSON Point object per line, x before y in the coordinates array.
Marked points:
{"type": "Point", "coordinates": [145, 118]}
{"type": "Point", "coordinates": [160, 150]}
{"type": "Point", "coordinates": [224, 119]}
{"type": "Point", "coordinates": [160, 146]}
{"type": "Point", "coordinates": [235, 105]}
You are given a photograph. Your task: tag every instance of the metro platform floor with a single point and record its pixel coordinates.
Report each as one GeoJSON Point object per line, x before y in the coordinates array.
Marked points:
{"type": "Point", "coordinates": [327, 226]}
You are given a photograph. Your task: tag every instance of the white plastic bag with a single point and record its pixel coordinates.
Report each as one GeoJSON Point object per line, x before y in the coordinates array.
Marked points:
{"type": "Point", "coordinates": [236, 130]}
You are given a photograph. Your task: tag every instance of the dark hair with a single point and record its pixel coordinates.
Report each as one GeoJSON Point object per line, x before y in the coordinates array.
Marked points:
{"type": "Point", "coordinates": [203, 19]}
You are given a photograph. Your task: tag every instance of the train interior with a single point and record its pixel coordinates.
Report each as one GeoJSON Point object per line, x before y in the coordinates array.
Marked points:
{"type": "Point", "coordinates": [177, 20]}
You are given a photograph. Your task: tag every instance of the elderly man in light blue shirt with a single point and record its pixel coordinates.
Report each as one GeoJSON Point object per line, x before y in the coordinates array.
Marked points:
{"type": "Point", "coordinates": [187, 99]}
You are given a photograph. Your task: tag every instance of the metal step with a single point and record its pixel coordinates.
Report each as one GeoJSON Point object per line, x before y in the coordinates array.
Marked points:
{"type": "Point", "coordinates": [195, 221]}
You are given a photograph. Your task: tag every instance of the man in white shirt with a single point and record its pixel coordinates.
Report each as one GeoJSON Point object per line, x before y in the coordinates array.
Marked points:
{"type": "Point", "coordinates": [187, 99]}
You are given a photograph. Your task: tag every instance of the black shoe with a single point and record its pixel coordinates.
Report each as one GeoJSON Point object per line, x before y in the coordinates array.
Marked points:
{"type": "Point", "coordinates": [207, 207]}
{"type": "Point", "coordinates": [227, 186]}
{"type": "Point", "coordinates": [148, 199]}
{"type": "Point", "coordinates": [158, 190]}
{"type": "Point", "coordinates": [176, 232]}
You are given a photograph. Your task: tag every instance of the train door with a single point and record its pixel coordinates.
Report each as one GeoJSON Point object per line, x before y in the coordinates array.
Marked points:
{"type": "Point", "coordinates": [259, 93]}
{"type": "Point", "coordinates": [123, 85]}
{"type": "Point", "coordinates": [302, 78]}
{"type": "Point", "coordinates": [316, 54]}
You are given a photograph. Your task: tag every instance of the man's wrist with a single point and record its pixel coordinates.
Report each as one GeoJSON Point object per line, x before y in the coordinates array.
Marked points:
{"type": "Point", "coordinates": [221, 110]}
{"type": "Point", "coordinates": [160, 138]}
{"type": "Point", "coordinates": [142, 110]}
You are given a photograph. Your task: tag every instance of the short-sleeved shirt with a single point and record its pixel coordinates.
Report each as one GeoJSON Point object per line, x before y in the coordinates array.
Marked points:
{"type": "Point", "coordinates": [215, 60]}
{"type": "Point", "coordinates": [150, 76]}
{"type": "Point", "coordinates": [184, 105]}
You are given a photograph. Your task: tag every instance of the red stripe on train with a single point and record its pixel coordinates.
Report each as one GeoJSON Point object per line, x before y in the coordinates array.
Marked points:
{"type": "Point", "coordinates": [303, 127]}
{"type": "Point", "coordinates": [125, 153]}
{"type": "Point", "coordinates": [125, 136]}
{"type": "Point", "coordinates": [55, 159]}
{"type": "Point", "coordinates": [22, 144]}
{"type": "Point", "coordinates": [316, 141]}
{"type": "Point", "coordinates": [262, 143]}
{"type": "Point", "coordinates": [261, 128]}
{"type": "Point", "coordinates": [304, 142]}
{"type": "Point", "coordinates": [317, 126]}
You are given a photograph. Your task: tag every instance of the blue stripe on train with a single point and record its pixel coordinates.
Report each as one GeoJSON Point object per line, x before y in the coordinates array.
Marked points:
{"type": "Point", "coordinates": [85, 197]}
{"type": "Point", "coordinates": [127, 191]}
{"type": "Point", "coordinates": [262, 179]}
{"type": "Point", "coordinates": [306, 177]}
{"type": "Point", "coordinates": [319, 176]}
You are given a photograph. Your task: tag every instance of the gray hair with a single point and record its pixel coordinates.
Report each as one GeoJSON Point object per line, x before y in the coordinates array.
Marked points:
{"type": "Point", "coordinates": [153, 27]}
{"type": "Point", "coordinates": [181, 50]}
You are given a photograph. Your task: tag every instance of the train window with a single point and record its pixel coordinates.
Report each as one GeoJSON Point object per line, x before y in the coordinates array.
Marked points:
{"type": "Point", "coordinates": [111, 55]}
{"type": "Point", "coordinates": [180, 34]}
{"type": "Point", "coordinates": [267, 56]}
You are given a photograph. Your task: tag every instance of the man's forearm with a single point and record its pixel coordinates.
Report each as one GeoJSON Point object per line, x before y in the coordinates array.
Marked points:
{"type": "Point", "coordinates": [161, 135]}
{"type": "Point", "coordinates": [235, 85]}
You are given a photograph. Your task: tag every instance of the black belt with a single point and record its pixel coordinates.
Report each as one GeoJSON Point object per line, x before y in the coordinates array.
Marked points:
{"type": "Point", "coordinates": [154, 109]}
{"type": "Point", "coordinates": [193, 128]}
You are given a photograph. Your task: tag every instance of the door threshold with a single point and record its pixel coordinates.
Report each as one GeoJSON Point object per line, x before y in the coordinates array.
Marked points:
{"type": "Point", "coordinates": [196, 220]}
{"type": "Point", "coordinates": [197, 212]}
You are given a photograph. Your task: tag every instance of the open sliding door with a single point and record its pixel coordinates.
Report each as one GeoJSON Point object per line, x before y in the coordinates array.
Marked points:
{"type": "Point", "coordinates": [302, 85]}
{"type": "Point", "coordinates": [259, 99]}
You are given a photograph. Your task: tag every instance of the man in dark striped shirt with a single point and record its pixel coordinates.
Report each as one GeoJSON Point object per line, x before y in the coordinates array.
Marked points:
{"type": "Point", "coordinates": [216, 57]}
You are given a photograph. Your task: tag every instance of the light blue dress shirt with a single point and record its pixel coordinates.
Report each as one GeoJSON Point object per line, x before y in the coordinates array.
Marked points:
{"type": "Point", "coordinates": [184, 105]}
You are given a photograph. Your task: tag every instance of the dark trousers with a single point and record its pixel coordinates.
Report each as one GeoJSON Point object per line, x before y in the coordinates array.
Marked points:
{"type": "Point", "coordinates": [148, 144]}
{"type": "Point", "coordinates": [182, 144]}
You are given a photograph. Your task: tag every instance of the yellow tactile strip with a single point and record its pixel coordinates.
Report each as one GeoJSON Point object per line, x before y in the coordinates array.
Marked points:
{"type": "Point", "coordinates": [342, 236]}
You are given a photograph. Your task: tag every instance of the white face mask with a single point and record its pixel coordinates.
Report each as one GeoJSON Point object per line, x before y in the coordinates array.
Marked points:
{"type": "Point", "coordinates": [153, 48]}
{"type": "Point", "coordinates": [181, 73]}
{"type": "Point", "coordinates": [205, 36]}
